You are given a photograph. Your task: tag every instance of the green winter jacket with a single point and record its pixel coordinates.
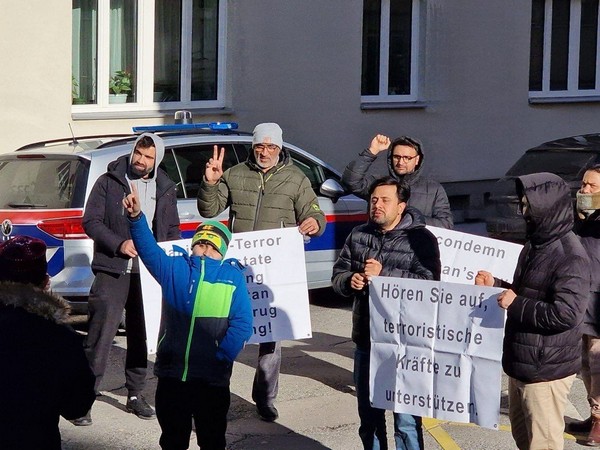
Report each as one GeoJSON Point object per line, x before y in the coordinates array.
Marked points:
{"type": "Point", "coordinates": [282, 197]}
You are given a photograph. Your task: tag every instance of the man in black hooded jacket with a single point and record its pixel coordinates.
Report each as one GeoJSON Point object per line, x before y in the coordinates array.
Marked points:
{"type": "Point", "coordinates": [405, 161]}
{"type": "Point", "coordinates": [117, 284]}
{"type": "Point", "coordinates": [545, 308]}
{"type": "Point", "coordinates": [45, 373]}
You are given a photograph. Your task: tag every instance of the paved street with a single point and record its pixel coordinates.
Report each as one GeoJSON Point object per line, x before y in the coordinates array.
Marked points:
{"type": "Point", "coordinates": [316, 401]}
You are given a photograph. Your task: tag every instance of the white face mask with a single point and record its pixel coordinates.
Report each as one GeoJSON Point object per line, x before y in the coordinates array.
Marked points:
{"type": "Point", "coordinates": [588, 203]}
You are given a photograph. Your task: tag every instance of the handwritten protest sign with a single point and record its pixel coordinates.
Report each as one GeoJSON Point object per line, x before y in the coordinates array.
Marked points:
{"type": "Point", "coordinates": [276, 279]}
{"type": "Point", "coordinates": [463, 254]}
{"type": "Point", "coordinates": [436, 349]}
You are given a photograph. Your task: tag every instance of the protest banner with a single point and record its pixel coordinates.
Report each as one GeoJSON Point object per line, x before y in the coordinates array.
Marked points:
{"type": "Point", "coordinates": [276, 279]}
{"type": "Point", "coordinates": [436, 349]}
{"type": "Point", "coordinates": [463, 254]}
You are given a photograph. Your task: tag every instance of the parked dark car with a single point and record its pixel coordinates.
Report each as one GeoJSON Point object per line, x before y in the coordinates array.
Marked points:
{"type": "Point", "coordinates": [568, 157]}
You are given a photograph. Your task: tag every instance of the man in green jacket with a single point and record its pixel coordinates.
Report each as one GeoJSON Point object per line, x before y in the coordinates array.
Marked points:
{"type": "Point", "coordinates": [267, 191]}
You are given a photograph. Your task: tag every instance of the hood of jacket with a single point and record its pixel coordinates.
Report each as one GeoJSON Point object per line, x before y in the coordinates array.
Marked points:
{"type": "Point", "coordinates": [284, 159]}
{"type": "Point", "coordinates": [409, 177]}
{"type": "Point", "coordinates": [550, 206]}
{"type": "Point", "coordinates": [35, 301]}
{"type": "Point", "coordinates": [160, 152]}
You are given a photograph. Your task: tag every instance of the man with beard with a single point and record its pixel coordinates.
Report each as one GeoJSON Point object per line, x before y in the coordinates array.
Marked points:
{"type": "Point", "coordinates": [393, 243]}
{"type": "Point", "coordinates": [404, 161]}
{"type": "Point", "coordinates": [545, 306]}
{"type": "Point", "coordinates": [267, 191]}
{"type": "Point", "coordinates": [117, 284]}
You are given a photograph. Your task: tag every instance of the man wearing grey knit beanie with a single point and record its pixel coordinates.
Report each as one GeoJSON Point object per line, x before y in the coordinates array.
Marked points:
{"type": "Point", "coordinates": [265, 192]}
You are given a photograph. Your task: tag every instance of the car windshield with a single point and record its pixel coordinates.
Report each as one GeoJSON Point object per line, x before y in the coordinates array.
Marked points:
{"type": "Point", "coordinates": [566, 164]}
{"type": "Point", "coordinates": [42, 183]}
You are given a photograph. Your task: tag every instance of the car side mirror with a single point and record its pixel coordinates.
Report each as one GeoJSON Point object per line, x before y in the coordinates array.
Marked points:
{"type": "Point", "coordinates": [332, 189]}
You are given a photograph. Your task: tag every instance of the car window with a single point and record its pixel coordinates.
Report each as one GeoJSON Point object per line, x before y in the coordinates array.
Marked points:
{"type": "Point", "coordinates": [569, 165]}
{"type": "Point", "coordinates": [186, 166]}
{"type": "Point", "coordinates": [28, 182]}
{"type": "Point", "coordinates": [312, 170]}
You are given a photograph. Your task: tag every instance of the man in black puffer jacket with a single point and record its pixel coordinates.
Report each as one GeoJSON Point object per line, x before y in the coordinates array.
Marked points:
{"type": "Point", "coordinates": [545, 307]}
{"type": "Point", "coordinates": [394, 243]}
{"type": "Point", "coordinates": [117, 285]}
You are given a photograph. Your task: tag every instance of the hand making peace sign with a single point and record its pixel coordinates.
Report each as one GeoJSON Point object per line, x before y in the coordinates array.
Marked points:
{"type": "Point", "coordinates": [214, 166]}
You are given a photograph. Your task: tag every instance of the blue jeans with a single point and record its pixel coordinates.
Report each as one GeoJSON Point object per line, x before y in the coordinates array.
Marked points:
{"type": "Point", "coordinates": [408, 431]}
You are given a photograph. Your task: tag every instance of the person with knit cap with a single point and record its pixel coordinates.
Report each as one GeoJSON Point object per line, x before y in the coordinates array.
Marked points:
{"type": "Point", "coordinates": [404, 162]}
{"type": "Point", "coordinates": [206, 320]}
{"type": "Point", "coordinates": [45, 373]}
{"type": "Point", "coordinates": [116, 286]}
{"type": "Point", "coordinates": [265, 192]}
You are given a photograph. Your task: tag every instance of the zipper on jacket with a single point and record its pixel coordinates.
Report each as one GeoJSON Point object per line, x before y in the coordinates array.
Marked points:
{"type": "Point", "coordinates": [263, 182]}
{"type": "Point", "coordinates": [188, 346]}
{"type": "Point", "coordinates": [261, 193]}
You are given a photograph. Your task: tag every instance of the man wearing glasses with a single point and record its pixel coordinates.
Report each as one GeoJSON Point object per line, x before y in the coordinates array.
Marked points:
{"type": "Point", "coordinates": [265, 192]}
{"type": "Point", "coordinates": [404, 160]}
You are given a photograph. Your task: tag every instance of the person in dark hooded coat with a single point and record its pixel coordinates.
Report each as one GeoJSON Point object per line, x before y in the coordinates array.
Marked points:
{"type": "Point", "coordinates": [545, 308]}
{"type": "Point", "coordinates": [405, 161]}
{"type": "Point", "coordinates": [45, 373]}
{"type": "Point", "coordinates": [115, 264]}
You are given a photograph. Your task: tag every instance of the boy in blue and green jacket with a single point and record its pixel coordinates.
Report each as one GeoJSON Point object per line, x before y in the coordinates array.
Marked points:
{"type": "Point", "coordinates": [206, 320]}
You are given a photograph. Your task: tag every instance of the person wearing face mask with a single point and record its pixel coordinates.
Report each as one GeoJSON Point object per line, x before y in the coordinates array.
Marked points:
{"type": "Point", "coordinates": [545, 305]}
{"type": "Point", "coordinates": [265, 192]}
{"type": "Point", "coordinates": [404, 161]}
{"type": "Point", "coordinates": [587, 227]}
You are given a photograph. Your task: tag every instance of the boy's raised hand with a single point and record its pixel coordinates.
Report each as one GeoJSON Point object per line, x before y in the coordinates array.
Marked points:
{"type": "Point", "coordinates": [132, 202]}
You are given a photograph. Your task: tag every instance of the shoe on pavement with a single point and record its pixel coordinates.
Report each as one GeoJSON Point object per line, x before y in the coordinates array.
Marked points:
{"type": "Point", "coordinates": [140, 407]}
{"type": "Point", "coordinates": [268, 413]}
{"type": "Point", "coordinates": [83, 421]}
{"type": "Point", "coordinates": [580, 426]}
{"type": "Point", "coordinates": [593, 439]}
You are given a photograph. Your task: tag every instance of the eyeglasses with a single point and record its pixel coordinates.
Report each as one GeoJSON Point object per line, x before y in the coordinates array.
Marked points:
{"type": "Point", "coordinates": [397, 158]}
{"type": "Point", "coordinates": [272, 148]}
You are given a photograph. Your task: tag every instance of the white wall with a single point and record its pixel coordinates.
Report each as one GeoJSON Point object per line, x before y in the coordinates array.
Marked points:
{"type": "Point", "coordinates": [299, 63]}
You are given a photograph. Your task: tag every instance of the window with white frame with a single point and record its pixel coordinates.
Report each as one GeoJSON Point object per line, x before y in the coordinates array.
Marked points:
{"type": "Point", "coordinates": [564, 49]}
{"type": "Point", "coordinates": [135, 54]}
{"type": "Point", "coordinates": [390, 50]}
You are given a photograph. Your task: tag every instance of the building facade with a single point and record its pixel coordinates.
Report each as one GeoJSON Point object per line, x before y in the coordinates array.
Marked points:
{"type": "Point", "coordinates": [477, 82]}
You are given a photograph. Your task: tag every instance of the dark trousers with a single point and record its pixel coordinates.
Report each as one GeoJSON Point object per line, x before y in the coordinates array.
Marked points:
{"type": "Point", "coordinates": [109, 296]}
{"type": "Point", "coordinates": [178, 402]}
{"type": "Point", "coordinates": [266, 378]}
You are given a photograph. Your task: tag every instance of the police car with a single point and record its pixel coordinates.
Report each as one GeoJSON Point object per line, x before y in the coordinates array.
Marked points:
{"type": "Point", "coordinates": [44, 187]}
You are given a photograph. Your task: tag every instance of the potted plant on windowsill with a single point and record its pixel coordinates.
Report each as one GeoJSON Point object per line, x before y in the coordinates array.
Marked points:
{"type": "Point", "coordinates": [119, 85]}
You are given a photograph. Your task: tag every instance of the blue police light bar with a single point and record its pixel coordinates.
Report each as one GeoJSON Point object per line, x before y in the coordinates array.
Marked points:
{"type": "Point", "coordinates": [187, 126]}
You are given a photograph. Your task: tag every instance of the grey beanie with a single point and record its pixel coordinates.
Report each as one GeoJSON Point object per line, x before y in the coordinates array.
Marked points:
{"type": "Point", "coordinates": [267, 133]}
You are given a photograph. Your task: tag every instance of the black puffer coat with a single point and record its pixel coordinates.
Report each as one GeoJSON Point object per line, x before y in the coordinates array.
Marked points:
{"type": "Point", "coordinates": [542, 340]}
{"type": "Point", "coordinates": [45, 373]}
{"type": "Point", "coordinates": [408, 251]}
{"type": "Point", "coordinates": [427, 195]}
{"type": "Point", "coordinates": [589, 233]}
{"type": "Point", "coordinates": [105, 218]}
